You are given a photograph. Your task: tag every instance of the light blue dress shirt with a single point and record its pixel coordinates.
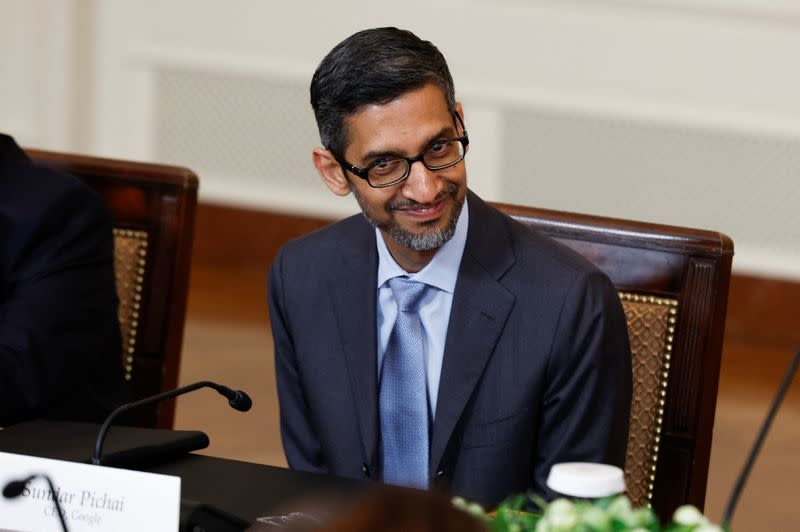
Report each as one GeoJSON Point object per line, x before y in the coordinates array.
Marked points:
{"type": "Point", "coordinates": [440, 275]}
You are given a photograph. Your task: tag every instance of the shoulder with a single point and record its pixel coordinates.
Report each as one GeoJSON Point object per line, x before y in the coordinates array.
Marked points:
{"type": "Point", "coordinates": [329, 240]}
{"type": "Point", "coordinates": [569, 279]}
{"type": "Point", "coordinates": [534, 247]}
{"type": "Point", "coordinates": [49, 214]}
{"type": "Point", "coordinates": [537, 260]}
{"type": "Point", "coordinates": [327, 249]}
{"type": "Point", "coordinates": [30, 192]}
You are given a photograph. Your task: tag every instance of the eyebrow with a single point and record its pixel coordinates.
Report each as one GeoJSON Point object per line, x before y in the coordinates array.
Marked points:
{"type": "Point", "coordinates": [443, 133]}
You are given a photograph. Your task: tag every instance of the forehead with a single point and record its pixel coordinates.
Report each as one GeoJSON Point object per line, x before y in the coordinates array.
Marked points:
{"type": "Point", "coordinates": [404, 124]}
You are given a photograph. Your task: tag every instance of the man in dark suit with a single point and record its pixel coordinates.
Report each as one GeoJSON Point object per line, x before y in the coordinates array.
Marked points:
{"type": "Point", "coordinates": [60, 347]}
{"type": "Point", "coordinates": [512, 354]}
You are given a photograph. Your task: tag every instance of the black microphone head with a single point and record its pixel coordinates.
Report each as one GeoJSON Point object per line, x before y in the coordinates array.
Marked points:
{"type": "Point", "coordinates": [240, 401]}
{"type": "Point", "coordinates": [15, 488]}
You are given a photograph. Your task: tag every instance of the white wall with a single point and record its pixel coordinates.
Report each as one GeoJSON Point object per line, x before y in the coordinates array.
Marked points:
{"type": "Point", "coordinates": [673, 111]}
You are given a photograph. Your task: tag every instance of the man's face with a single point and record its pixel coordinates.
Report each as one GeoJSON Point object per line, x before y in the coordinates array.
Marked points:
{"type": "Point", "coordinates": [421, 212]}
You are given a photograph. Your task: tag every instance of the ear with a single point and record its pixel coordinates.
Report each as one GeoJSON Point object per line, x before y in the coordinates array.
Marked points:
{"type": "Point", "coordinates": [460, 111]}
{"type": "Point", "coordinates": [330, 171]}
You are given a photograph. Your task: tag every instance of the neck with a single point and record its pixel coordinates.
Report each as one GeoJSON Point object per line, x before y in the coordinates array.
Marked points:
{"type": "Point", "coordinates": [409, 259]}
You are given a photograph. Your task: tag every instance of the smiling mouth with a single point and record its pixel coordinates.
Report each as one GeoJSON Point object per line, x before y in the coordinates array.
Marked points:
{"type": "Point", "coordinates": [419, 209]}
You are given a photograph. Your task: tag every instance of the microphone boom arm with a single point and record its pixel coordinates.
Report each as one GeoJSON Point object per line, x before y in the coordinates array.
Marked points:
{"type": "Point", "coordinates": [762, 434]}
{"type": "Point", "coordinates": [237, 399]}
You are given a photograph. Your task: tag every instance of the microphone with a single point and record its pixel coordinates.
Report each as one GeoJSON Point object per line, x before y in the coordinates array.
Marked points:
{"type": "Point", "coordinates": [238, 400]}
{"type": "Point", "coordinates": [762, 434]}
{"type": "Point", "coordinates": [14, 489]}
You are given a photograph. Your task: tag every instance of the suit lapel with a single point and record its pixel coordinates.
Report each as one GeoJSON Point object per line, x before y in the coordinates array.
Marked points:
{"type": "Point", "coordinates": [480, 308]}
{"type": "Point", "coordinates": [353, 294]}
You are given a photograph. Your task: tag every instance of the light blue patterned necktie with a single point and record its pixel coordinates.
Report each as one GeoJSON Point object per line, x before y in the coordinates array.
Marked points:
{"type": "Point", "coordinates": [403, 392]}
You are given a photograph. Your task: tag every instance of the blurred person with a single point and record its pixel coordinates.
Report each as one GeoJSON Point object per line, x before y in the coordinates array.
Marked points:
{"type": "Point", "coordinates": [434, 341]}
{"type": "Point", "coordinates": [378, 507]}
{"type": "Point", "coordinates": [60, 346]}
{"type": "Point", "coordinates": [392, 509]}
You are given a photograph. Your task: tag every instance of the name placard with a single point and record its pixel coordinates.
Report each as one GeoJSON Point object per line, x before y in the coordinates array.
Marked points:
{"type": "Point", "coordinates": [92, 498]}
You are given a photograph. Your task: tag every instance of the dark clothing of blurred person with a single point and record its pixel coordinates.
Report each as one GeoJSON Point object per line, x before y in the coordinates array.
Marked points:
{"type": "Point", "coordinates": [60, 346]}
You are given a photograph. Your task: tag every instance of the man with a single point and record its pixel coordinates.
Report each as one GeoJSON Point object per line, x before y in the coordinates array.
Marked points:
{"type": "Point", "coordinates": [514, 354]}
{"type": "Point", "coordinates": [59, 335]}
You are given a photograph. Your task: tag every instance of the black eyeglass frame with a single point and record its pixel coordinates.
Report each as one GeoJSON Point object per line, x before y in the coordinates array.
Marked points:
{"type": "Point", "coordinates": [363, 173]}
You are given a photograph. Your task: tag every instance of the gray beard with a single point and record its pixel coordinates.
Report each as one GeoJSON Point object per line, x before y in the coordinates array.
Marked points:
{"type": "Point", "coordinates": [433, 238]}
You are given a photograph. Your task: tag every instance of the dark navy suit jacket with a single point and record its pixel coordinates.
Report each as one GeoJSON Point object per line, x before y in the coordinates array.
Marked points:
{"type": "Point", "coordinates": [536, 370]}
{"type": "Point", "coordinates": [60, 347]}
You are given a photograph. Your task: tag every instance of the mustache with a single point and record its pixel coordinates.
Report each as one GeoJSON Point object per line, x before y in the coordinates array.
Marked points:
{"type": "Point", "coordinates": [451, 189]}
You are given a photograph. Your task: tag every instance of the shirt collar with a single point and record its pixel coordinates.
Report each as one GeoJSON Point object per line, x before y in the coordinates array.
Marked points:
{"type": "Point", "coordinates": [441, 271]}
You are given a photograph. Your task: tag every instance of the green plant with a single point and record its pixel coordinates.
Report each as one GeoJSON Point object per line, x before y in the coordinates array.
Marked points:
{"type": "Point", "coordinates": [610, 514]}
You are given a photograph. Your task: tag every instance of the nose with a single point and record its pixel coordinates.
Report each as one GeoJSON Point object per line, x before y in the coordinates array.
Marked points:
{"type": "Point", "coordinates": [422, 185]}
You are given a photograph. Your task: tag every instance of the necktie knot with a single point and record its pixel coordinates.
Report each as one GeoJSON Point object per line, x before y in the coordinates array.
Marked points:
{"type": "Point", "coordinates": [407, 292]}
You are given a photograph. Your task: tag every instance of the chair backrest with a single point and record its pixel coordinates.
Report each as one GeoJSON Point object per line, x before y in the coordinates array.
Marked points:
{"type": "Point", "coordinates": [673, 283]}
{"type": "Point", "coordinates": [153, 209]}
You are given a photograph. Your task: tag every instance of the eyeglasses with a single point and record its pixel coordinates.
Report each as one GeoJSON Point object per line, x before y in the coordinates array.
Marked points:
{"type": "Point", "coordinates": [390, 170]}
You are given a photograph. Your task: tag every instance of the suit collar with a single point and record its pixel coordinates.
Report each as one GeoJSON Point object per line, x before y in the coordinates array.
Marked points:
{"type": "Point", "coordinates": [352, 289]}
{"type": "Point", "coordinates": [488, 240]}
{"type": "Point", "coordinates": [481, 305]}
{"type": "Point", "coordinates": [480, 308]}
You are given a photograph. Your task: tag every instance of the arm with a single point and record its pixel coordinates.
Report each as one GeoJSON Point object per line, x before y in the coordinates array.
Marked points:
{"type": "Point", "coordinates": [586, 406]}
{"type": "Point", "coordinates": [300, 443]}
{"type": "Point", "coordinates": [59, 335]}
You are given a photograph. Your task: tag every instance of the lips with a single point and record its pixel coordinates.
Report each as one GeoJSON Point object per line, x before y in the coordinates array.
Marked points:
{"type": "Point", "coordinates": [431, 210]}
{"type": "Point", "coordinates": [428, 211]}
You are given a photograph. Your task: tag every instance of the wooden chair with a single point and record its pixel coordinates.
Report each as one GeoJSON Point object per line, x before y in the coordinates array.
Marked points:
{"type": "Point", "coordinates": [673, 283]}
{"type": "Point", "coordinates": [153, 210]}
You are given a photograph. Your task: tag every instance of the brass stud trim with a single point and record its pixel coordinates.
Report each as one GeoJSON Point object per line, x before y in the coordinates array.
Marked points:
{"type": "Point", "coordinates": [141, 263]}
{"type": "Point", "coordinates": [664, 376]}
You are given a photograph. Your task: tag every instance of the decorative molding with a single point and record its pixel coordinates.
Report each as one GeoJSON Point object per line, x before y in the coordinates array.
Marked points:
{"type": "Point", "coordinates": [500, 93]}
{"type": "Point", "coordinates": [781, 12]}
{"type": "Point", "coordinates": [152, 56]}
{"type": "Point", "coordinates": [700, 275]}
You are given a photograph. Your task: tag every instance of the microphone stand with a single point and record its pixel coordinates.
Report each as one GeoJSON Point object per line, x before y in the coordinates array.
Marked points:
{"type": "Point", "coordinates": [762, 434]}
{"type": "Point", "coordinates": [236, 398]}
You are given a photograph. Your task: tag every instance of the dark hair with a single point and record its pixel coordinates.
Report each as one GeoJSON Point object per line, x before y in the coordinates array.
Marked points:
{"type": "Point", "coordinates": [372, 66]}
